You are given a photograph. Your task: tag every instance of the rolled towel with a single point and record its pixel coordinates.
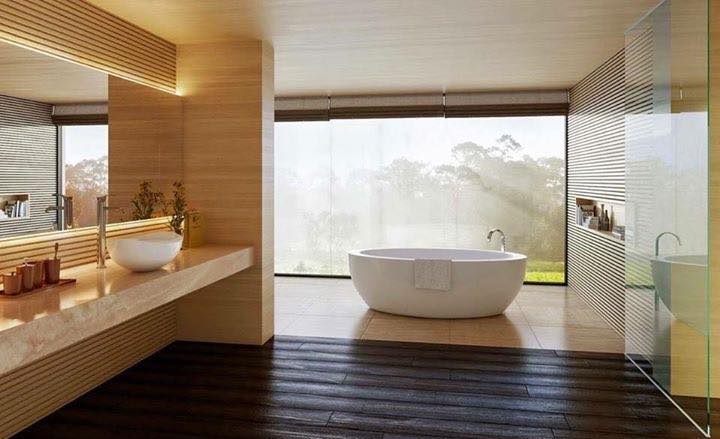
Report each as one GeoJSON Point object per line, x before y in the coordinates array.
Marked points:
{"type": "Point", "coordinates": [432, 274]}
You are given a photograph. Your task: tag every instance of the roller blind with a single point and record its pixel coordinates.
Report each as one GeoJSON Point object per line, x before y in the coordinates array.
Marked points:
{"type": "Point", "coordinates": [364, 107]}
{"type": "Point", "coordinates": [533, 103]}
{"type": "Point", "coordinates": [300, 109]}
{"type": "Point", "coordinates": [80, 114]}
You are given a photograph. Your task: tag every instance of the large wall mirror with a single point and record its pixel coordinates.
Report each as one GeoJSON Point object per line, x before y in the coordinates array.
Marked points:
{"type": "Point", "coordinates": [69, 134]}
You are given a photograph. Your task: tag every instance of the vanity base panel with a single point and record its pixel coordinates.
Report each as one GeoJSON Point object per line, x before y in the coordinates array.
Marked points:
{"type": "Point", "coordinates": [38, 389]}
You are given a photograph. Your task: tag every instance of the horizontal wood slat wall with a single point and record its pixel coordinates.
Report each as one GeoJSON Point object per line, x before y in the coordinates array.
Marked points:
{"type": "Point", "coordinates": [596, 170]}
{"type": "Point", "coordinates": [77, 246]}
{"type": "Point", "coordinates": [83, 33]}
{"type": "Point", "coordinates": [640, 302]}
{"type": "Point", "coordinates": [35, 391]}
{"type": "Point", "coordinates": [28, 147]}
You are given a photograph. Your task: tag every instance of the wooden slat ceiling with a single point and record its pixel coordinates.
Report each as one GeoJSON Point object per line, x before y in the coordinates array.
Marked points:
{"type": "Point", "coordinates": [27, 74]}
{"type": "Point", "coordinates": [80, 32]}
{"type": "Point", "coordinates": [379, 46]}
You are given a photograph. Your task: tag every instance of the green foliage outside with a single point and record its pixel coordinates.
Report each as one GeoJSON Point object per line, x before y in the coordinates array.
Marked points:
{"type": "Point", "coordinates": [85, 181]}
{"type": "Point", "coordinates": [414, 203]}
{"type": "Point", "coordinates": [545, 271]}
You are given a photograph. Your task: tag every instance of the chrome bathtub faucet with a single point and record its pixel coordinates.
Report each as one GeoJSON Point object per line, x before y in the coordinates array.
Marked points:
{"type": "Point", "coordinates": [657, 241]}
{"type": "Point", "coordinates": [502, 238]}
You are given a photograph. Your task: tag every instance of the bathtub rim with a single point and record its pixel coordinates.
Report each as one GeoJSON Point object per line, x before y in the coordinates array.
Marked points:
{"type": "Point", "coordinates": [514, 256]}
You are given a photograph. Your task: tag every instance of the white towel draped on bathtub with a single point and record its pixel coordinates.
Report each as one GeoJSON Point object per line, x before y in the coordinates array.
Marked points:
{"type": "Point", "coordinates": [432, 274]}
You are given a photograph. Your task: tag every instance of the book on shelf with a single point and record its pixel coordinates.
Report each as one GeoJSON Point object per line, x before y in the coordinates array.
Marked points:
{"type": "Point", "coordinates": [16, 209]}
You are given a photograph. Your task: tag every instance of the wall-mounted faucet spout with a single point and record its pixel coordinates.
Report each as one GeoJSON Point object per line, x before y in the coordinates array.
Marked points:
{"type": "Point", "coordinates": [502, 238]}
{"type": "Point", "coordinates": [102, 218]}
{"type": "Point", "coordinates": [657, 241]}
{"type": "Point", "coordinates": [65, 207]}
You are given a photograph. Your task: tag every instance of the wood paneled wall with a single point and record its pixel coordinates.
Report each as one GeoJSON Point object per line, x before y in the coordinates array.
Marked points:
{"type": "Point", "coordinates": [30, 393]}
{"type": "Point", "coordinates": [227, 91]}
{"type": "Point", "coordinates": [145, 142]}
{"type": "Point", "coordinates": [83, 33]}
{"type": "Point", "coordinates": [596, 170]}
{"type": "Point", "coordinates": [28, 147]}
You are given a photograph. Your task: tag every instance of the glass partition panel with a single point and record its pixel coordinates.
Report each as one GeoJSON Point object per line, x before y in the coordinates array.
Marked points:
{"type": "Point", "coordinates": [666, 135]}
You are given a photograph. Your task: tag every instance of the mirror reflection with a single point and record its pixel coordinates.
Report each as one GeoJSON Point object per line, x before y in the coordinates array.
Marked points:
{"type": "Point", "coordinates": [58, 121]}
{"type": "Point", "coordinates": [53, 142]}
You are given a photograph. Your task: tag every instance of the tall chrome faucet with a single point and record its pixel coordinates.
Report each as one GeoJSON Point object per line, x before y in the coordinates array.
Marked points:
{"type": "Point", "coordinates": [102, 219]}
{"type": "Point", "coordinates": [502, 238]}
{"type": "Point", "coordinates": [65, 206]}
{"type": "Point", "coordinates": [657, 241]}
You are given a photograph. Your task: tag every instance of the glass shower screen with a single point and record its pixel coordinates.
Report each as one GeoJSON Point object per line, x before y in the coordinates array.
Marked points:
{"type": "Point", "coordinates": [666, 172]}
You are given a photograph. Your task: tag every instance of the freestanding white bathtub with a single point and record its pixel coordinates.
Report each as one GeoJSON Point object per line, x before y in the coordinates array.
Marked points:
{"type": "Point", "coordinates": [483, 282]}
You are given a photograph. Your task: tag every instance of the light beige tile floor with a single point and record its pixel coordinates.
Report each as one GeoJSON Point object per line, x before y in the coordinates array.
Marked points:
{"type": "Point", "coordinates": [541, 317]}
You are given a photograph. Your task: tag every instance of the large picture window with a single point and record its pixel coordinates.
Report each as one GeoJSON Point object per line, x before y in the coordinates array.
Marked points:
{"type": "Point", "coordinates": [419, 182]}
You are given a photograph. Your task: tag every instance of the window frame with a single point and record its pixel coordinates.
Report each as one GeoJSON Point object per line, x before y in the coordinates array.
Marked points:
{"type": "Point", "coordinates": [60, 165]}
{"type": "Point", "coordinates": [509, 110]}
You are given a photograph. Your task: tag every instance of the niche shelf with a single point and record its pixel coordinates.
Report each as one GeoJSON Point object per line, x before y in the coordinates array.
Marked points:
{"type": "Point", "coordinates": [604, 218]}
{"type": "Point", "coordinates": [14, 207]}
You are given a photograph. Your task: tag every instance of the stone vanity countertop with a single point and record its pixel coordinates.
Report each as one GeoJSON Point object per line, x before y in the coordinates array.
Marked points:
{"type": "Point", "coordinates": [41, 323]}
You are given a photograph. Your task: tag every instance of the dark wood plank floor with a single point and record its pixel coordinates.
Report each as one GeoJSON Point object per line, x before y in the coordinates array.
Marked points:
{"type": "Point", "coordinates": [332, 388]}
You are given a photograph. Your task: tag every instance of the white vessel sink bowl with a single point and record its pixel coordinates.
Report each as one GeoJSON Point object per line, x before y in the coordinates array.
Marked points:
{"type": "Point", "coordinates": [145, 252]}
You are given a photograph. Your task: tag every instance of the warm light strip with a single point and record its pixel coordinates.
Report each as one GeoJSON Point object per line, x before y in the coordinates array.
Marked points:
{"type": "Point", "coordinates": [88, 66]}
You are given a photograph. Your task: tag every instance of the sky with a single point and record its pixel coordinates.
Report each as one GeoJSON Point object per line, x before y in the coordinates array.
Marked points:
{"type": "Point", "coordinates": [84, 142]}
